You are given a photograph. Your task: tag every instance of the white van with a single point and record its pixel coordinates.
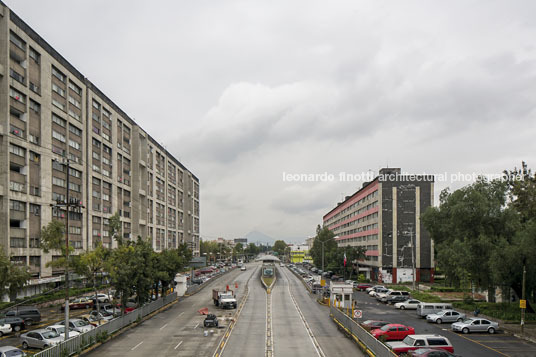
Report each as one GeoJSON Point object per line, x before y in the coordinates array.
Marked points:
{"type": "Point", "coordinates": [427, 308]}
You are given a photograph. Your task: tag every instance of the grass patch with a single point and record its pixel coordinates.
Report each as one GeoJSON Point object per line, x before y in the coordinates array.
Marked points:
{"type": "Point", "coordinates": [268, 281]}
{"type": "Point", "coordinates": [419, 295]}
{"type": "Point", "coordinates": [504, 311]}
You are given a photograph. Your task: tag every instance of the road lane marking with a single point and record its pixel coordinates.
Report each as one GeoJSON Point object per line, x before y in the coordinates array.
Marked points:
{"type": "Point", "coordinates": [163, 327]}
{"type": "Point", "coordinates": [481, 344]}
{"type": "Point", "coordinates": [196, 325]}
{"type": "Point", "coordinates": [138, 345]}
{"type": "Point", "coordinates": [178, 345]}
{"type": "Point", "coordinates": [315, 343]}
{"type": "Point", "coordinates": [179, 315]}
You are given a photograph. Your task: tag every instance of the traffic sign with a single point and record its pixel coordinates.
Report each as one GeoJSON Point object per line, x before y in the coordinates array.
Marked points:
{"type": "Point", "coordinates": [523, 304]}
{"type": "Point", "coordinates": [358, 314]}
{"type": "Point", "coordinates": [322, 282]}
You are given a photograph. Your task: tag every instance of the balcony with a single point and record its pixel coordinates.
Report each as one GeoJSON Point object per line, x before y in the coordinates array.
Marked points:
{"type": "Point", "coordinates": [17, 215]}
{"type": "Point", "coordinates": [15, 232]}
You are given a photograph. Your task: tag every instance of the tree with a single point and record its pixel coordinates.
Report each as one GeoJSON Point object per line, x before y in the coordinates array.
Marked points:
{"type": "Point", "coordinates": [116, 231]}
{"type": "Point", "coordinates": [12, 277]}
{"type": "Point", "coordinates": [324, 239]}
{"type": "Point", "coordinates": [122, 267]}
{"type": "Point", "coordinates": [91, 264]}
{"type": "Point", "coordinates": [238, 250]}
{"type": "Point", "coordinates": [475, 221]}
{"type": "Point", "coordinates": [279, 247]}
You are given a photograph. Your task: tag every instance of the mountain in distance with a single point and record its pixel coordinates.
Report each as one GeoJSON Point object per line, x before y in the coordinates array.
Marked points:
{"type": "Point", "coordinates": [259, 237]}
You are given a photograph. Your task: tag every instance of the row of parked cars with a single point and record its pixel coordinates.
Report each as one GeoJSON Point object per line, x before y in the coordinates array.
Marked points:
{"type": "Point", "coordinates": [20, 318]}
{"type": "Point", "coordinates": [411, 343]}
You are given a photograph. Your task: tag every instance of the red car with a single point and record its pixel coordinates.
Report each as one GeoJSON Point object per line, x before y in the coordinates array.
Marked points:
{"type": "Point", "coordinates": [393, 332]}
{"type": "Point", "coordinates": [373, 324]}
{"type": "Point", "coordinates": [363, 286]}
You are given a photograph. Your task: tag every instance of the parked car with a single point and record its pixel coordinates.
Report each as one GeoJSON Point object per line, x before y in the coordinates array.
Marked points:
{"type": "Point", "coordinates": [16, 323]}
{"type": "Point", "coordinates": [10, 351]}
{"type": "Point", "coordinates": [427, 308]}
{"type": "Point", "coordinates": [363, 286]}
{"type": "Point", "coordinates": [102, 298]}
{"type": "Point", "coordinates": [243, 268]}
{"type": "Point", "coordinates": [80, 303]}
{"type": "Point", "coordinates": [374, 287]}
{"type": "Point", "coordinates": [377, 291]}
{"type": "Point", "coordinates": [394, 293]}
{"type": "Point", "coordinates": [392, 332]}
{"type": "Point", "coordinates": [391, 300]}
{"type": "Point", "coordinates": [446, 316]}
{"type": "Point", "coordinates": [414, 342]}
{"type": "Point", "coordinates": [475, 324]}
{"type": "Point", "coordinates": [93, 320]}
{"type": "Point", "coordinates": [210, 321]}
{"type": "Point", "coordinates": [30, 315]}
{"type": "Point", "coordinates": [431, 352]}
{"type": "Point", "coordinates": [60, 329]}
{"type": "Point", "coordinates": [101, 315]}
{"type": "Point", "coordinates": [41, 338]}
{"type": "Point", "coordinates": [410, 304]}
{"type": "Point", "coordinates": [78, 325]}
{"type": "Point", "coordinates": [5, 329]}
{"type": "Point", "coordinates": [373, 324]}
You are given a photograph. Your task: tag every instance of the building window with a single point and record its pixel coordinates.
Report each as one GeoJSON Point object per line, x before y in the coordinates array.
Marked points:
{"type": "Point", "coordinates": [35, 55]}
{"type": "Point", "coordinates": [75, 88]}
{"type": "Point", "coordinates": [17, 206]}
{"type": "Point", "coordinates": [18, 96]}
{"type": "Point", "coordinates": [56, 119]}
{"type": "Point", "coordinates": [58, 90]}
{"type": "Point", "coordinates": [74, 144]}
{"type": "Point", "coordinates": [34, 243]}
{"type": "Point", "coordinates": [75, 230]}
{"type": "Point", "coordinates": [74, 102]}
{"type": "Point", "coordinates": [73, 129]}
{"type": "Point", "coordinates": [33, 139]}
{"type": "Point", "coordinates": [58, 181]}
{"type": "Point", "coordinates": [74, 115]}
{"type": "Point", "coordinates": [17, 41]}
{"type": "Point", "coordinates": [58, 136]}
{"type": "Point", "coordinates": [96, 105]}
{"type": "Point", "coordinates": [35, 209]}
{"type": "Point", "coordinates": [75, 187]}
{"type": "Point", "coordinates": [36, 107]}
{"type": "Point", "coordinates": [16, 76]}
{"type": "Point", "coordinates": [58, 104]}
{"type": "Point", "coordinates": [58, 166]}
{"type": "Point", "coordinates": [17, 242]}
{"type": "Point", "coordinates": [36, 158]}
{"type": "Point", "coordinates": [75, 172]}
{"type": "Point", "coordinates": [17, 150]}
{"type": "Point", "coordinates": [56, 73]}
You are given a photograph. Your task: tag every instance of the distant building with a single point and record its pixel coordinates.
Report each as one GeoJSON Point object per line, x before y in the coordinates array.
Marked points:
{"type": "Point", "coordinates": [384, 216]}
{"type": "Point", "coordinates": [309, 241]}
{"type": "Point", "coordinates": [300, 254]}
{"type": "Point", "coordinates": [243, 241]}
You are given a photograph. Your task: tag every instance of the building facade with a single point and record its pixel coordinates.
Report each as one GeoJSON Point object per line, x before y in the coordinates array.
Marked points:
{"type": "Point", "coordinates": [384, 217]}
{"type": "Point", "coordinates": [300, 253]}
{"type": "Point", "coordinates": [51, 114]}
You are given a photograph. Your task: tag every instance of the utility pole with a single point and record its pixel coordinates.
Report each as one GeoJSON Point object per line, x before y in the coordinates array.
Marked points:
{"type": "Point", "coordinates": [67, 204]}
{"type": "Point", "coordinates": [412, 258]}
{"type": "Point", "coordinates": [523, 307]}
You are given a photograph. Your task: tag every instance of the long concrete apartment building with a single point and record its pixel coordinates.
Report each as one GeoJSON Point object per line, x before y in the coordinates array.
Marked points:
{"type": "Point", "coordinates": [384, 217]}
{"type": "Point", "coordinates": [50, 113]}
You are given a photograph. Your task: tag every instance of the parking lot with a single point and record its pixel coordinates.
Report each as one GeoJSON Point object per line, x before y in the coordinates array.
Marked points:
{"type": "Point", "coordinates": [473, 344]}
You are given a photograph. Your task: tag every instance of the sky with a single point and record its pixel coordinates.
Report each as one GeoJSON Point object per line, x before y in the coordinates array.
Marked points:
{"type": "Point", "coordinates": [248, 94]}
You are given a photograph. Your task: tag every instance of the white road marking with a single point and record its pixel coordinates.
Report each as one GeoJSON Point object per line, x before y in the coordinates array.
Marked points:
{"type": "Point", "coordinates": [197, 325]}
{"type": "Point", "coordinates": [179, 315]}
{"type": "Point", "coordinates": [315, 343]}
{"type": "Point", "coordinates": [138, 345]}
{"type": "Point", "coordinates": [163, 327]}
{"type": "Point", "coordinates": [180, 343]}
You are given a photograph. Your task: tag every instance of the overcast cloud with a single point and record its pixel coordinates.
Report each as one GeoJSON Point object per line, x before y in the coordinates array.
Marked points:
{"type": "Point", "coordinates": [244, 91]}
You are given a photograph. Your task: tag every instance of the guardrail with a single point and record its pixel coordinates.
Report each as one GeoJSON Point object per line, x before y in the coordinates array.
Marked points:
{"type": "Point", "coordinates": [368, 342]}
{"type": "Point", "coordinates": [82, 341]}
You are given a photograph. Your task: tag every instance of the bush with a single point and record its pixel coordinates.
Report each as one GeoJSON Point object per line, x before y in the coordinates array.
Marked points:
{"type": "Point", "coordinates": [503, 311]}
{"type": "Point", "coordinates": [102, 336]}
{"type": "Point", "coordinates": [444, 289]}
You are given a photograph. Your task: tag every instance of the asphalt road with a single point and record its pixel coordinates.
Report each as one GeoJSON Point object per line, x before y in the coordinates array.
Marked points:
{"type": "Point", "coordinates": [179, 330]}
{"type": "Point", "coordinates": [299, 325]}
{"type": "Point", "coordinates": [471, 345]}
{"type": "Point", "coordinates": [248, 337]}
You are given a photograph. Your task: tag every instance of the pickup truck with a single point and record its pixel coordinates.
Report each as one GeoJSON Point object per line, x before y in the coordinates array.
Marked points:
{"type": "Point", "coordinates": [224, 299]}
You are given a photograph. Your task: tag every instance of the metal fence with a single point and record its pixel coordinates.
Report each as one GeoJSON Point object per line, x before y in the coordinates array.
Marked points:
{"type": "Point", "coordinates": [80, 342]}
{"type": "Point", "coordinates": [362, 335]}
{"type": "Point", "coordinates": [195, 288]}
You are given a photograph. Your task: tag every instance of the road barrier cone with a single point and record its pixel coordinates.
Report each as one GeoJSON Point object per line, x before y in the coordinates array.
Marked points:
{"type": "Point", "coordinates": [227, 289]}
{"type": "Point", "coordinates": [236, 285]}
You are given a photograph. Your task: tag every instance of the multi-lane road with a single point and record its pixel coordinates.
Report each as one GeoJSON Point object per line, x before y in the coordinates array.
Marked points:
{"type": "Point", "coordinates": [287, 322]}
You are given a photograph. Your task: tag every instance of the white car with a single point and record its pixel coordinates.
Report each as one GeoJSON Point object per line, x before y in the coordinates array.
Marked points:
{"type": "Point", "coordinates": [410, 304]}
{"type": "Point", "coordinates": [5, 328]}
{"type": "Point", "coordinates": [60, 329]}
{"type": "Point", "coordinates": [78, 325]}
{"type": "Point", "coordinates": [102, 298]}
{"type": "Point", "coordinates": [446, 316]}
{"type": "Point", "coordinates": [368, 290]}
